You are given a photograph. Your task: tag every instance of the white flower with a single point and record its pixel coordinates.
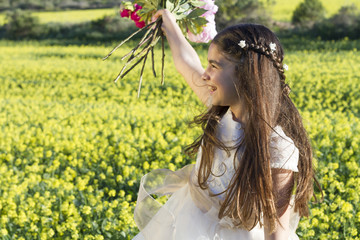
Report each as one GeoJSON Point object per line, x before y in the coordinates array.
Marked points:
{"type": "Point", "coordinates": [242, 43]}
{"type": "Point", "coordinates": [272, 47]}
{"type": "Point", "coordinates": [286, 67]}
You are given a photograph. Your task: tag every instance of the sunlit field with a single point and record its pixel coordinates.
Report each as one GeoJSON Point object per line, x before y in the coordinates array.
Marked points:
{"type": "Point", "coordinates": [74, 145]}
{"type": "Point", "coordinates": [282, 10]}
{"type": "Point", "coordinates": [72, 16]}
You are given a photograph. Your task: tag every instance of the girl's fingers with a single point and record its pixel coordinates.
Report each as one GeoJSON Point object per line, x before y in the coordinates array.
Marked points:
{"type": "Point", "coordinates": [157, 15]}
{"type": "Point", "coordinates": [167, 17]}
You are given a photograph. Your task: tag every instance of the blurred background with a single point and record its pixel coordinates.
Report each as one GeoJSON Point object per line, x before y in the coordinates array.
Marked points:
{"type": "Point", "coordinates": [99, 20]}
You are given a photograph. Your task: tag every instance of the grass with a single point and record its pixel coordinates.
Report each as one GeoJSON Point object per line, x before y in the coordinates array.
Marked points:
{"type": "Point", "coordinates": [282, 9]}
{"type": "Point", "coordinates": [72, 16]}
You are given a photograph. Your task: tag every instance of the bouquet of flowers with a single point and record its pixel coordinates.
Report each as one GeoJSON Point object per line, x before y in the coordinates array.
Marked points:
{"type": "Point", "coordinates": [196, 19]}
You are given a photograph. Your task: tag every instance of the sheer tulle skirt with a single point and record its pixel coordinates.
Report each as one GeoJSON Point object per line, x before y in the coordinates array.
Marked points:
{"type": "Point", "coordinates": [189, 214]}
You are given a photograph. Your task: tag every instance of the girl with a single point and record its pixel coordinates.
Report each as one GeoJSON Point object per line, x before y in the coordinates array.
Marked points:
{"type": "Point", "coordinates": [253, 175]}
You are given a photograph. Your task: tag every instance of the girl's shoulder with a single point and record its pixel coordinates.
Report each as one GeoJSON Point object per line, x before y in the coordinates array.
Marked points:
{"type": "Point", "coordinates": [283, 152]}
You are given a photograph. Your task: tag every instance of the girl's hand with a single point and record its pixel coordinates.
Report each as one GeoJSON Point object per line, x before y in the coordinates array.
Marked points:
{"type": "Point", "coordinates": [168, 19]}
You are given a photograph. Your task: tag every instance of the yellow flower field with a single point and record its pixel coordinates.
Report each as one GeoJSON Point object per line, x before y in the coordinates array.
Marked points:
{"type": "Point", "coordinates": [74, 145]}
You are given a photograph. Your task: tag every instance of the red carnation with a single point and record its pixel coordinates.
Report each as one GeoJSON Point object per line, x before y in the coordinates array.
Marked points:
{"type": "Point", "coordinates": [135, 17]}
{"type": "Point", "coordinates": [125, 13]}
{"type": "Point", "coordinates": [137, 7]}
{"type": "Point", "coordinates": [140, 24]}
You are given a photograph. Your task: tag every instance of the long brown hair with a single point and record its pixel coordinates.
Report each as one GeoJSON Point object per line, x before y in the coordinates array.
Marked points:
{"type": "Point", "coordinates": [262, 88]}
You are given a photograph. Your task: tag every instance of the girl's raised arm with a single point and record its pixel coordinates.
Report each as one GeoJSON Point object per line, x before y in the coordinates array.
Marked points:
{"type": "Point", "coordinates": [185, 58]}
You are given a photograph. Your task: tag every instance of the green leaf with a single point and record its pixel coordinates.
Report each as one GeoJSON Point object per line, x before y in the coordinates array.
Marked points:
{"type": "Point", "coordinates": [192, 28]}
{"type": "Point", "coordinates": [197, 3]}
{"type": "Point", "coordinates": [185, 7]}
{"type": "Point", "coordinates": [179, 16]}
{"type": "Point", "coordinates": [196, 13]}
{"type": "Point", "coordinates": [176, 7]}
{"type": "Point", "coordinates": [200, 21]}
{"type": "Point", "coordinates": [195, 25]}
{"type": "Point", "coordinates": [183, 26]}
{"type": "Point", "coordinates": [128, 5]}
{"type": "Point", "coordinates": [169, 5]}
{"type": "Point", "coordinates": [153, 3]}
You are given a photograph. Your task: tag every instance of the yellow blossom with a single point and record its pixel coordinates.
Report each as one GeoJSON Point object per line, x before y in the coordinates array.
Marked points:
{"type": "Point", "coordinates": [86, 210]}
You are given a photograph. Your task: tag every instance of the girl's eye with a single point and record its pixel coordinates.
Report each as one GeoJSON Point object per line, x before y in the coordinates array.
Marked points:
{"type": "Point", "coordinates": [213, 66]}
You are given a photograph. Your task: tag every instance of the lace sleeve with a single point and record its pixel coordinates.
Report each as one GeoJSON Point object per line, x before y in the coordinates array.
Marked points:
{"type": "Point", "coordinates": [283, 152]}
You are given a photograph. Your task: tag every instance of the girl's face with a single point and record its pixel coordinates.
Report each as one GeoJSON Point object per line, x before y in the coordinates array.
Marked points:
{"type": "Point", "coordinates": [219, 77]}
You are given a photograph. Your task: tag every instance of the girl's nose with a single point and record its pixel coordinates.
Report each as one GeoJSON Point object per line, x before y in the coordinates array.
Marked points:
{"type": "Point", "coordinates": [205, 76]}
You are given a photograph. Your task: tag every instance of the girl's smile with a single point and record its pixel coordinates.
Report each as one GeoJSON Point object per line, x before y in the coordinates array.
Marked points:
{"type": "Point", "coordinates": [212, 89]}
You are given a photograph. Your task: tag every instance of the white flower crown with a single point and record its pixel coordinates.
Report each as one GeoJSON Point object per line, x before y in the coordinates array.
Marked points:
{"type": "Point", "coordinates": [272, 46]}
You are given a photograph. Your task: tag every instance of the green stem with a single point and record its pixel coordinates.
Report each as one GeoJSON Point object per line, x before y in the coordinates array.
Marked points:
{"type": "Point", "coordinates": [162, 59]}
{"type": "Point", "coordinates": [135, 48]}
{"type": "Point", "coordinates": [142, 71]}
{"type": "Point", "coordinates": [131, 59]}
{"type": "Point", "coordinates": [153, 61]}
{"type": "Point", "coordinates": [120, 75]}
{"type": "Point", "coordinates": [144, 50]}
{"type": "Point", "coordinates": [152, 35]}
{"type": "Point", "coordinates": [143, 40]}
{"type": "Point", "coordinates": [127, 39]}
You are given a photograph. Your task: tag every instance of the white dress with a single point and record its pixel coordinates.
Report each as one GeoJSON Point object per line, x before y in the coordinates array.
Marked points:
{"type": "Point", "coordinates": [190, 213]}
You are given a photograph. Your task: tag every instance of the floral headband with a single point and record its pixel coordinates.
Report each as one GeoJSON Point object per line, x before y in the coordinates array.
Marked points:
{"type": "Point", "coordinates": [269, 51]}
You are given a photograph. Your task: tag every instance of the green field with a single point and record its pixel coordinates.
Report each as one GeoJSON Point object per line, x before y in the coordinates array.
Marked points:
{"type": "Point", "coordinates": [282, 9]}
{"type": "Point", "coordinates": [74, 145]}
{"type": "Point", "coordinates": [72, 16]}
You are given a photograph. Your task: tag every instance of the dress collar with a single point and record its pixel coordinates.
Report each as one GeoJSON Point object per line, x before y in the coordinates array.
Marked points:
{"type": "Point", "coordinates": [229, 129]}
{"type": "Point", "coordinates": [231, 116]}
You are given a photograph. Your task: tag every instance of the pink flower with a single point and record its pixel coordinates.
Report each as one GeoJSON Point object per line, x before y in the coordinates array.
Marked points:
{"type": "Point", "coordinates": [210, 6]}
{"type": "Point", "coordinates": [208, 33]}
{"type": "Point", "coordinates": [137, 7]}
{"type": "Point", "coordinates": [135, 17]}
{"type": "Point", "coordinates": [209, 30]}
{"type": "Point", "coordinates": [140, 24]}
{"type": "Point", "coordinates": [125, 13]}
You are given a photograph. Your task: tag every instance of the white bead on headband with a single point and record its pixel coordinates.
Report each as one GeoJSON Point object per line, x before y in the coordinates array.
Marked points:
{"type": "Point", "coordinates": [242, 43]}
{"type": "Point", "coordinates": [272, 47]}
